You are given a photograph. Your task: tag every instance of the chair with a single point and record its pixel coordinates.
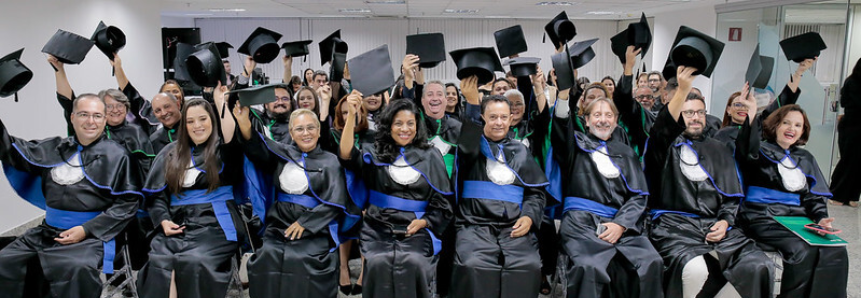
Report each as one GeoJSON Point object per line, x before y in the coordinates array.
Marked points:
{"type": "Point", "coordinates": [129, 284]}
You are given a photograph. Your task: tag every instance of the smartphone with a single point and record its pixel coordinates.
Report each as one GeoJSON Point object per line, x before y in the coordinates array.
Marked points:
{"type": "Point", "coordinates": [600, 229]}
{"type": "Point", "coordinates": [821, 229]}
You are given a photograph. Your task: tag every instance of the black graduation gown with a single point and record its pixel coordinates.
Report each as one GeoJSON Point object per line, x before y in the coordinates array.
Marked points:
{"type": "Point", "coordinates": [636, 121]}
{"type": "Point", "coordinates": [844, 183]}
{"type": "Point", "coordinates": [488, 262]}
{"type": "Point", "coordinates": [446, 130]}
{"type": "Point", "coordinates": [807, 269]}
{"type": "Point", "coordinates": [695, 204]}
{"type": "Point", "coordinates": [95, 186]}
{"type": "Point", "coordinates": [163, 136]}
{"type": "Point", "coordinates": [271, 128]}
{"type": "Point", "coordinates": [305, 267]}
{"type": "Point", "coordinates": [331, 142]}
{"type": "Point", "coordinates": [397, 266]}
{"type": "Point", "coordinates": [593, 198]}
{"type": "Point", "coordinates": [729, 134]}
{"type": "Point", "coordinates": [200, 255]}
{"type": "Point", "coordinates": [141, 109]}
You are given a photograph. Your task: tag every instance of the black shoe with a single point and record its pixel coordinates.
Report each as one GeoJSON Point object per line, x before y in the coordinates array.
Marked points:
{"type": "Point", "coordinates": [347, 290]}
{"type": "Point", "coordinates": [545, 286]}
{"type": "Point", "coordinates": [357, 289]}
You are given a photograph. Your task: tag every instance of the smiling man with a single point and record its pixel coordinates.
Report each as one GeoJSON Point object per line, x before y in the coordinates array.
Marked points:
{"type": "Point", "coordinates": [500, 208]}
{"type": "Point", "coordinates": [90, 191]}
{"type": "Point", "coordinates": [166, 109]}
{"type": "Point", "coordinates": [275, 121]}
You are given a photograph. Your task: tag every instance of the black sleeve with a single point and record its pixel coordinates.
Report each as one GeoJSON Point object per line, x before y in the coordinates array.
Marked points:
{"type": "Point", "coordinates": [562, 140]}
{"type": "Point", "coordinates": [66, 104]}
{"type": "Point", "coordinates": [10, 156]}
{"type": "Point", "coordinates": [257, 152]}
{"type": "Point", "coordinates": [159, 207]}
{"type": "Point", "coordinates": [318, 218]}
{"type": "Point", "coordinates": [470, 135]}
{"type": "Point", "coordinates": [728, 209]}
{"type": "Point", "coordinates": [439, 213]}
{"type": "Point", "coordinates": [631, 112]}
{"type": "Point", "coordinates": [630, 213]}
{"type": "Point", "coordinates": [664, 132]}
{"type": "Point", "coordinates": [786, 97]}
{"type": "Point", "coordinates": [534, 200]}
{"type": "Point", "coordinates": [747, 143]}
{"type": "Point", "coordinates": [110, 223]}
{"type": "Point", "coordinates": [815, 206]}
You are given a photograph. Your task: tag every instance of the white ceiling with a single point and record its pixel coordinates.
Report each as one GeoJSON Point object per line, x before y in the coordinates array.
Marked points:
{"type": "Point", "coordinates": [579, 9]}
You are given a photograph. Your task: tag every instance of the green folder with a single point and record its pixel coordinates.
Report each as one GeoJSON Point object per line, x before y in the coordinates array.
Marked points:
{"type": "Point", "coordinates": [795, 224]}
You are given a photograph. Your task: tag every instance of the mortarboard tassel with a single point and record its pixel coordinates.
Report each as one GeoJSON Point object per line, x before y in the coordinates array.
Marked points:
{"type": "Point", "coordinates": [223, 108]}
{"type": "Point", "coordinates": [544, 39]}
{"type": "Point", "coordinates": [16, 96]}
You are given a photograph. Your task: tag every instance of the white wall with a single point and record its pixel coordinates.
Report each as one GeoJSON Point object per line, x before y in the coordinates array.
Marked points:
{"type": "Point", "coordinates": [365, 34]}
{"type": "Point", "coordinates": [30, 24]}
{"type": "Point", "coordinates": [666, 26]}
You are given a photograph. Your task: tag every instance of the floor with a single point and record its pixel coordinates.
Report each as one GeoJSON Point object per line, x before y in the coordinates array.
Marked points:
{"type": "Point", "coordinates": [846, 218]}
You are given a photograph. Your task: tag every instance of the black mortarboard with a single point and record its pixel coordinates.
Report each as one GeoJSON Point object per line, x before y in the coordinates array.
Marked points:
{"type": "Point", "coordinates": [523, 66]}
{"type": "Point", "coordinates": [14, 75]}
{"type": "Point", "coordinates": [430, 47]}
{"type": "Point", "coordinates": [696, 49]}
{"type": "Point", "coordinates": [581, 53]}
{"type": "Point", "coordinates": [670, 69]}
{"type": "Point", "coordinates": [68, 47]}
{"type": "Point", "coordinates": [372, 72]}
{"type": "Point", "coordinates": [564, 72]}
{"type": "Point", "coordinates": [261, 45]}
{"type": "Point", "coordinates": [180, 71]}
{"type": "Point", "coordinates": [109, 39]}
{"type": "Point", "coordinates": [205, 67]}
{"type": "Point", "coordinates": [637, 35]}
{"type": "Point", "coordinates": [510, 41]}
{"type": "Point", "coordinates": [759, 70]}
{"type": "Point", "coordinates": [331, 45]}
{"type": "Point", "coordinates": [560, 29]}
{"type": "Point", "coordinates": [256, 95]}
{"type": "Point", "coordinates": [336, 69]}
{"type": "Point", "coordinates": [296, 48]}
{"type": "Point", "coordinates": [804, 46]}
{"type": "Point", "coordinates": [481, 62]}
{"type": "Point", "coordinates": [223, 49]}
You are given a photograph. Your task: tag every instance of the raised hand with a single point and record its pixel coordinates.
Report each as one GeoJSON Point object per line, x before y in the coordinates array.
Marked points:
{"type": "Point", "coordinates": [469, 89]}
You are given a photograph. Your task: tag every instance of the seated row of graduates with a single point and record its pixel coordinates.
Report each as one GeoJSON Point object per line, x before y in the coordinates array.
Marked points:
{"type": "Point", "coordinates": [405, 176]}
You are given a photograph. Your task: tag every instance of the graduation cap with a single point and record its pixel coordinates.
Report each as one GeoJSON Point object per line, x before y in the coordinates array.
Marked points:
{"type": "Point", "coordinates": [670, 69]}
{"type": "Point", "coordinates": [371, 72]}
{"type": "Point", "coordinates": [696, 49]}
{"type": "Point", "coordinates": [524, 66]}
{"type": "Point", "coordinates": [510, 41]}
{"type": "Point", "coordinates": [581, 52]}
{"type": "Point", "coordinates": [296, 48]}
{"type": "Point", "coordinates": [261, 45]}
{"type": "Point", "coordinates": [637, 35]}
{"type": "Point", "coordinates": [430, 47]}
{"type": "Point", "coordinates": [223, 49]}
{"type": "Point", "coordinates": [204, 65]}
{"type": "Point", "coordinates": [560, 29]}
{"type": "Point", "coordinates": [331, 45]}
{"type": "Point", "coordinates": [68, 47]}
{"type": "Point", "coordinates": [13, 74]}
{"type": "Point", "coordinates": [180, 71]}
{"type": "Point", "coordinates": [336, 69]}
{"type": "Point", "coordinates": [109, 39]}
{"type": "Point", "coordinates": [481, 62]}
{"type": "Point", "coordinates": [759, 70]}
{"type": "Point", "coordinates": [804, 46]}
{"type": "Point", "coordinates": [256, 95]}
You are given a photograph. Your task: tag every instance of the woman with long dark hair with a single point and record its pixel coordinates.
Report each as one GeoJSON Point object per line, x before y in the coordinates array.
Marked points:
{"type": "Point", "coordinates": [191, 204]}
{"type": "Point", "coordinates": [453, 102]}
{"type": "Point", "coordinates": [782, 179]}
{"type": "Point", "coordinates": [307, 77]}
{"type": "Point", "coordinates": [407, 208]}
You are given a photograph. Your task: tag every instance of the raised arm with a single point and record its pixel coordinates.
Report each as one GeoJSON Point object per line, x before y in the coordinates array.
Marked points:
{"type": "Point", "coordinates": [228, 125]}
{"type": "Point", "coordinates": [288, 69]}
{"type": "Point", "coordinates": [471, 132]}
{"type": "Point", "coordinates": [686, 78]}
{"type": "Point", "coordinates": [122, 79]}
{"type": "Point", "coordinates": [354, 101]}
{"type": "Point", "coordinates": [63, 86]}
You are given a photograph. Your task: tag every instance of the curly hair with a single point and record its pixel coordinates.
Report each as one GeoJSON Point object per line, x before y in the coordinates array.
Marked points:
{"type": "Point", "coordinates": [385, 147]}
{"type": "Point", "coordinates": [770, 124]}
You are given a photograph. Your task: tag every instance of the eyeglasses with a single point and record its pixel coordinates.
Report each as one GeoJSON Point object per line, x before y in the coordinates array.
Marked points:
{"type": "Point", "coordinates": [301, 130]}
{"type": "Point", "coordinates": [691, 113]}
{"type": "Point", "coordinates": [86, 115]}
{"type": "Point", "coordinates": [283, 98]}
{"type": "Point", "coordinates": [115, 106]}
{"type": "Point", "coordinates": [738, 105]}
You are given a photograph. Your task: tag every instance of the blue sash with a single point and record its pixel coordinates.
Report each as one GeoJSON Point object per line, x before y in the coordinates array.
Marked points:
{"type": "Point", "coordinates": [65, 220]}
{"type": "Point", "coordinates": [657, 213]}
{"type": "Point", "coordinates": [575, 203]}
{"type": "Point", "coordinates": [764, 195]}
{"type": "Point", "coordinates": [218, 198]}
{"type": "Point", "coordinates": [303, 200]}
{"type": "Point", "coordinates": [418, 207]}
{"type": "Point", "coordinates": [488, 190]}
